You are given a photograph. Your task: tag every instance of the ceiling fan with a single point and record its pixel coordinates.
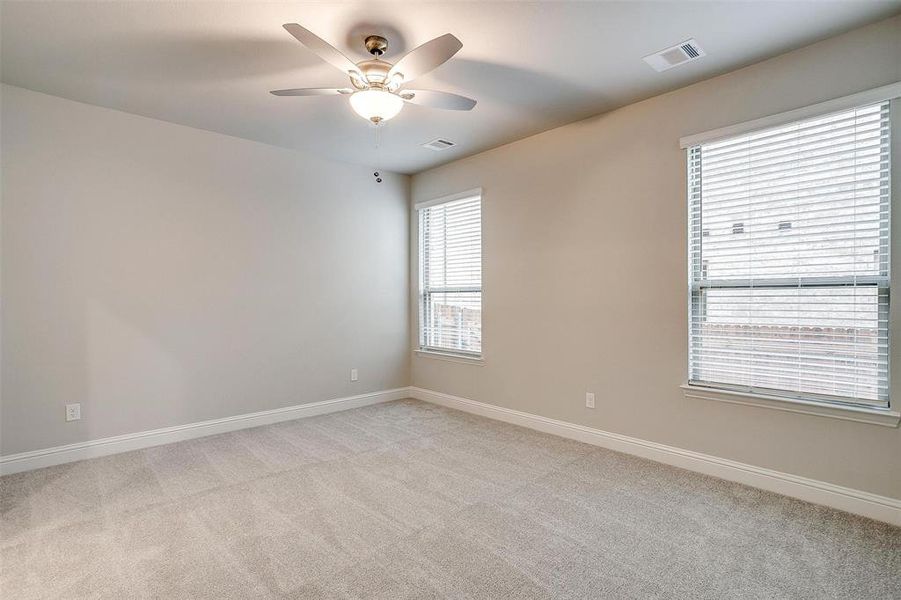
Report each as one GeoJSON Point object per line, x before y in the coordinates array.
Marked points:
{"type": "Point", "coordinates": [376, 93]}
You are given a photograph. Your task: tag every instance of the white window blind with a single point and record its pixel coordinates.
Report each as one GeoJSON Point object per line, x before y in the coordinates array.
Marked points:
{"type": "Point", "coordinates": [450, 255]}
{"type": "Point", "coordinates": [789, 259]}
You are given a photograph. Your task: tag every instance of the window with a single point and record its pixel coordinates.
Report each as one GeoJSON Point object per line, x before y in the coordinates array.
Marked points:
{"type": "Point", "coordinates": [450, 275]}
{"type": "Point", "coordinates": [797, 306]}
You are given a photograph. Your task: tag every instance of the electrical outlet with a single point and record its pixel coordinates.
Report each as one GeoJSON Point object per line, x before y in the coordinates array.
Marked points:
{"type": "Point", "coordinates": [354, 376]}
{"type": "Point", "coordinates": [73, 412]}
{"type": "Point", "coordinates": [589, 399]}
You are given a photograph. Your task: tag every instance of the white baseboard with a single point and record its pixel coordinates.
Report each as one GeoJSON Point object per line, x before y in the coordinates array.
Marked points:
{"type": "Point", "coordinates": [877, 507]}
{"type": "Point", "coordinates": [36, 459]}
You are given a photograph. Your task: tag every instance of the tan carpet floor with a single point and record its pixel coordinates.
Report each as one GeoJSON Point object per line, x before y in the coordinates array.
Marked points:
{"type": "Point", "coordinates": [411, 500]}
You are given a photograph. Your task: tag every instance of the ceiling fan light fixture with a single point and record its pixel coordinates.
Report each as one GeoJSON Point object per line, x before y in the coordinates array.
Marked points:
{"type": "Point", "coordinates": [376, 105]}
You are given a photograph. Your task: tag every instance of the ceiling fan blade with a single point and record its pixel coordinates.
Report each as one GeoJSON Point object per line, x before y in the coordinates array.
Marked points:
{"type": "Point", "coordinates": [434, 99]}
{"type": "Point", "coordinates": [326, 51]}
{"type": "Point", "coordinates": [312, 92]}
{"type": "Point", "coordinates": [423, 59]}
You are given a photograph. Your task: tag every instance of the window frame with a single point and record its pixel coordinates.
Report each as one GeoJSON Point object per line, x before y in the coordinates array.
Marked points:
{"type": "Point", "coordinates": [425, 291]}
{"type": "Point", "coordinates": [787, 400]}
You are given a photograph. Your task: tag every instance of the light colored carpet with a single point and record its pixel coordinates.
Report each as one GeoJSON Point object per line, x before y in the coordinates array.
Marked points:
{"type": "Point", "coordinates": [411, 500]}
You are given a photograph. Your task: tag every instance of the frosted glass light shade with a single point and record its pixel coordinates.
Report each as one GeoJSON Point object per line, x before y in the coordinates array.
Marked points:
{"type": "Point", "coordinates": [376, 105]}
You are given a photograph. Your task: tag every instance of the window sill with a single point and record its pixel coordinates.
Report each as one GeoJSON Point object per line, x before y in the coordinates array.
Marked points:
{"type": "Point", "coordinates": [450, 357]}
{"type": "Point", "coordinates": [874, 416]}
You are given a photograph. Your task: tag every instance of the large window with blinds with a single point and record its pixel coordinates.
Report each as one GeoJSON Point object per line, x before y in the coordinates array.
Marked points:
{"type": "Point", "coordinates": [450, 276]}
{"type": "Point", "coordinates": [789, 260]}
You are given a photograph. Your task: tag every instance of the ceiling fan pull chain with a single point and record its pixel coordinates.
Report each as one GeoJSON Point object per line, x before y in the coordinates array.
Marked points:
{"type": "Point", "coordinates": [378, 154]}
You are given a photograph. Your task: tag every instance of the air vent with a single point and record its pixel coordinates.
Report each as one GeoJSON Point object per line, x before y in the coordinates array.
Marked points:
{"type": "Point", "coordinates": [439, 144]}
{"type": "Point", "coordinates": [671, 57]}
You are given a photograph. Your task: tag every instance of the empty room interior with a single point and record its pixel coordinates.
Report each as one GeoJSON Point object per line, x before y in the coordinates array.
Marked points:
{"type": "Point", "coordinates": [482, 300]}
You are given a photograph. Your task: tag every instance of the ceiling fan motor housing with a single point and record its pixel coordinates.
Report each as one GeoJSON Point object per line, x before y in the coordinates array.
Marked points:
{"type": "Point", "coordinates": [375, 71]}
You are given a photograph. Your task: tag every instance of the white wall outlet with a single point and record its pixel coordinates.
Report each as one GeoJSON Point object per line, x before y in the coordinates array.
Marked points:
{"type": "Point", "coordinates": [589, 399]}
{"type": "Point", "coordinates": [73, 412]}
{"type": "Point", "coordinates": [354, 375]}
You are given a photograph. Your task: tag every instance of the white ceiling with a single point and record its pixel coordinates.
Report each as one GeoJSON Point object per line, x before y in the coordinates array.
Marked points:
{"type": "Point", "coordinates": [531, 66]}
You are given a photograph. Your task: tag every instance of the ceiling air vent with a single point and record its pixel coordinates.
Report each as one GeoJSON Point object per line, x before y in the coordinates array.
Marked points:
{"type": "Point", "coordinates": [675, 56]}
{"type": "Point", "coordinates": [439, 144]}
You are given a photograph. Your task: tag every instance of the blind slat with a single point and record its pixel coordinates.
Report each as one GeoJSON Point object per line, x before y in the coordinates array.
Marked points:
{"type": "Point", "coordinates": [450, 254]}
{"type": "Point", "coordinates": [788, 256]}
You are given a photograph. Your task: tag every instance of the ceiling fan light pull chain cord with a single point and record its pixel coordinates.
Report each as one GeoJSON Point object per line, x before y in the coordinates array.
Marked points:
{"type": "Point", "coordinates": [378, 153]}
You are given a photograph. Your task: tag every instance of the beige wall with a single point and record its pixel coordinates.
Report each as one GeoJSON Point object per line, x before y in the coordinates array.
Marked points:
{"type": "Point", "coordinates": [584, 266]}
{"type": "Point", "coordinates": [161, 275]}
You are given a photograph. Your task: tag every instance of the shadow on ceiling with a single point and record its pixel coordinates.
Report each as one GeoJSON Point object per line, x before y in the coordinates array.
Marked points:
{"type": "Point", "coordinates": [397, 44]}
{"type": "Point", "coordinates": [188, 58]}
{"type": "Point", "coordinates": [519, 89]}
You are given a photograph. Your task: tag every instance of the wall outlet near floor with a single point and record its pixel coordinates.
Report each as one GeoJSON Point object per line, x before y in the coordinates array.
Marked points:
{"type": "Point", "coordinates": [73, 412]}
{"type": "Point", "coordinates": [354, 375]}
{"type": "Point", "coordinates": [589, 399]}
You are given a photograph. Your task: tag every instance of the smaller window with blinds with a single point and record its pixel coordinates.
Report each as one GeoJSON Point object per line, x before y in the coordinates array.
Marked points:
{"type": "Point", "coordinates": [450, 275]}
{"type": "Point", "coordinates": [789, 260]}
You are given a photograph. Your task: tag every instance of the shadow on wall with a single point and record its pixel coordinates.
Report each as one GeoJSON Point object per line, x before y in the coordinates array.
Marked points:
{"type": "Point", "coordinates": [124, 362]}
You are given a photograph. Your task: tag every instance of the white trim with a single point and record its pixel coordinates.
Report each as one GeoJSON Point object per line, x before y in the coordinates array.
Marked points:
{"type": "Point", "coordinates": [880, 94]}
{"type": "Point", "coordinates": [473, 193]}
{"type": "Point", "coordinates": [850, 500]}
{"type": "Point", "coordinates": [451, 357]}
{"type": "Point", "coordinates": [860, 414]}
{"type": "Point", "coordinates": [46, 457]}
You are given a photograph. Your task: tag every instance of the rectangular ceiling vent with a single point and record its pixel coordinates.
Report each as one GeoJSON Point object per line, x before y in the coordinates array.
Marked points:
{"type": "Point", "coordinates": [439, 144]}
{"type": "Point", "coordinates": [672, 57]}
